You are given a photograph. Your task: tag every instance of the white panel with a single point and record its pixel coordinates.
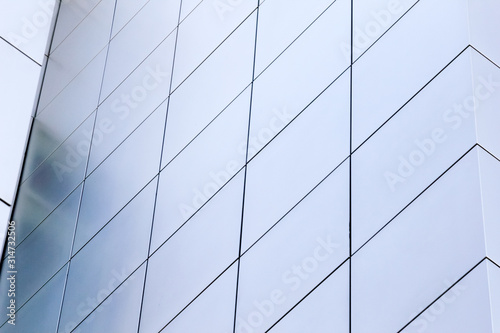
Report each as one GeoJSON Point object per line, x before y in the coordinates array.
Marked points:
{"type": "Point", "coordinates": [435, 240]}
{"type": "Point", "coordinates": [326, 309]}
{"type": "Point", "coordinates": [210, 89]}
{"type": "Point", "coordinates": [372, 18]}
{"type": "Point", "coordinates": [186, 185]}
{"type": "Point", "coordinates": [280, 22]}
{"type": "Point", "coordinates": [19, 79]}
{"type": "Point", "coordinates": [212, 311]}
{"type": "Point", "coordinates": [490, 187]}
{"type": "Point", "coordinates": [494, 284]}
{"type": "Point", "coordinates": [404, 60]}
{"type": "Point", "coordinates": [193, 257]}
{"type": "Point", "coordinates": [464, 308]}
{"type": "Point", "coordinates": [314, 144]}
{"type": "Point", "coordinates": [189, 5]}
{"type": "Point", "coordinates": [412, 149]}
{"type": "Point", "coordinates": [26, 25]}
{"type": "Point", "coordinates": [294, 256]}
{"type": "Point", "coordinates": [302, 72]}
{"type": "Point", "coordinates": [487, 99]}
{"type": "Point", "coordinates": [124, 12]}
{"type": "Point", "coordinates": [484, 24]}
{"type": "Point", "coordinates": [203, 31]}
{"type": "Point", "coordinates": [137, 40]}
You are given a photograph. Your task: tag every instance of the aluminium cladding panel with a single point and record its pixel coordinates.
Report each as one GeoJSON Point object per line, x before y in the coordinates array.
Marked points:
{"type": "Point", "coordinates": [210, 89]}
{"type": "Point", "coordinates": [125, 11]}
{"type": "Point", "coordinates": [27, 24]}
{"type": "Point", "coordinates": [186, 186]}
{"type": "Point", "coordinates": [204, 30]}
{"type": "Point", "coordinates": [298, 159]}
{"type": "Point", "coordinates": [193, 257]}
{"type": "Point", "coordinates": [41, 312]}
{"type": "Point", "coordinates": [189, 5]}
{"type": "Point", "coordinates": [484, 25]}
{"type": "Point", "coordinates": [118, 311]}
{"type": "Point", "coordinates": [77, 50]}
{"type": "Point", "coordinates": [202, 315]}
{"type": "Point", "coordinates": [371, 19]}
{"type": "Point", "coordinates": [471, 305]}
{"type": "Point", "coordinates": [487, 99]}
{"type": "Point", "coordinates": [325, 309]}
{"type": "Point", "coordinates": [115, 252]}
{"type": "Point", "coordinates": [157, 20]}
{"type": "Point", "coordinates": [430, 133]}
{"type": "Point", "coordinates": [281, 22]}
{"type": "Point", "coordinates": [142, 91]}
{"type": "Point", "coordinates": [303, 248]}
{"type": "Point", "coordinates": [303, 71]}
{"type": "Point", "coordinates": [494, 277]}
{"type": "Point", "coordinates": [404, 60]}
{"type": "Point", "coordinates": [431, 244]}
{"type": "Point", "coordinates": [490, 191]}
{"type": "Point", "coordinates": [120, 177]}
{"type": "Point", "coordinates": [71, 15]}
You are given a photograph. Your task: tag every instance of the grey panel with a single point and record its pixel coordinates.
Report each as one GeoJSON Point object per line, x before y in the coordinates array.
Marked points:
{"type": "Point", "coordinates": [122, 175]}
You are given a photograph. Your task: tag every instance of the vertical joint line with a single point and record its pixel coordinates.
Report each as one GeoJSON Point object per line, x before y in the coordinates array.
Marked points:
{"type": "Point", "coordinates": [350, 166]}
{"type": "Point", "coordinates": [246, 167]}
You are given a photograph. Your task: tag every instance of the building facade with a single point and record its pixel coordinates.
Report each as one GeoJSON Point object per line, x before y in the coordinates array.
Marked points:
{"type": "Point", "coordinates": [255, 166]}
